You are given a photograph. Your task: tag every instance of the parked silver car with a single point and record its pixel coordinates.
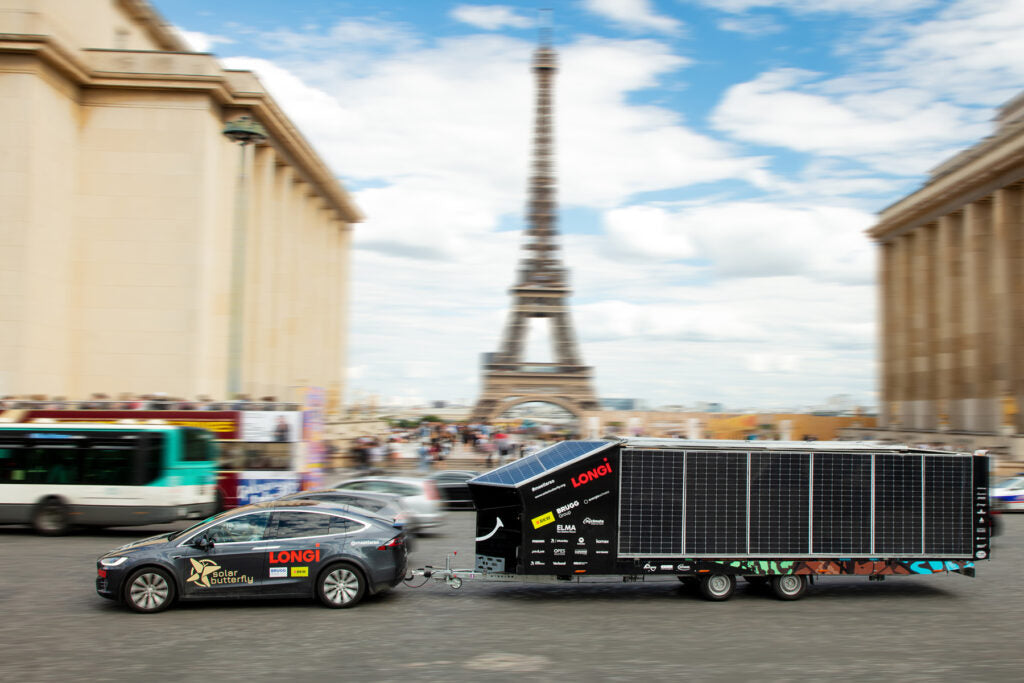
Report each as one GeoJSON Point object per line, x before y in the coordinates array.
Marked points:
{"type": "Point", "coordinates": [420, 496]}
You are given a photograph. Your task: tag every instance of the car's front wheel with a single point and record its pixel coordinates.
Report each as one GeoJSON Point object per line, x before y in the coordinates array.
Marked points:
{"type": "Point", "coordinates": [149, 590]}
{"type": "Point", "coordinates": [341, 585]}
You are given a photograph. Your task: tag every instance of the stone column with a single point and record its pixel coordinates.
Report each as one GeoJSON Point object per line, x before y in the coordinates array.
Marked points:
{"type": "Point", "coordinates": [947, 313]}
{"type": "Point", "coordinates": [886, 307]}
{"type": "Point", "coordinates": [976, 221]}
{"type": "Point", "coordinates": [1007, 244]}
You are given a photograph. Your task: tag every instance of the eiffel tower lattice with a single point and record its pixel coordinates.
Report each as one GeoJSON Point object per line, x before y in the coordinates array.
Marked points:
{"type": "Point", "coordinates": [541, 290]}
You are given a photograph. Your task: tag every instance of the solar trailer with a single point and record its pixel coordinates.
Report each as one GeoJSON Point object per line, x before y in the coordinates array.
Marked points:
{"type": "Point", "coordinates": [707, 512]}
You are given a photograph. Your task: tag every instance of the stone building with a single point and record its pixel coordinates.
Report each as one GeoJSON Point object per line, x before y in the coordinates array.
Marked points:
{"type": "Point", "coordinates": [119, 202]}
{"type": "Point", "coordinates": [952, 299]}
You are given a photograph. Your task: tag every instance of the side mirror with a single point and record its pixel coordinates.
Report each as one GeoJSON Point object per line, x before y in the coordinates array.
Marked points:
{"type": "Point", "coordinates": [203, 542]}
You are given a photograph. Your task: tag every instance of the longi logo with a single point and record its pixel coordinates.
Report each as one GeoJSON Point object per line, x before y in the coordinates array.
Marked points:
{"type": "Point", "coordinates": [591, 475]}
{"type": "Point", "coordinates": [290, 556]}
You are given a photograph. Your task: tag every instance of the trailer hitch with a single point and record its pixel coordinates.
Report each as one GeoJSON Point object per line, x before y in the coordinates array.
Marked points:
{"type": "Point", "coordinates": [452, 577]}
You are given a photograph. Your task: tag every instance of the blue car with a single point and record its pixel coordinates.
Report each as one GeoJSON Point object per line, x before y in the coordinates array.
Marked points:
{"type": "Point", "coordinates": [285, 548]}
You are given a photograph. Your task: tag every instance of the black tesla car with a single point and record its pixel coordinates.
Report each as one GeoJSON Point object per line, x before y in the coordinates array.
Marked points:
{"type": "Point", "coordinates": [285, 548]}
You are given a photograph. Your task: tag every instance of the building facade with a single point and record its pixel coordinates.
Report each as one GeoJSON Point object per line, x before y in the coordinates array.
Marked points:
{"type": "Point", "coordinates": [952, 299]}
{"type": "Point", "coordinates": [120, 197]}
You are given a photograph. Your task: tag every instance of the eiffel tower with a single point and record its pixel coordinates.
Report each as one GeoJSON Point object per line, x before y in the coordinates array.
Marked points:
{"type": "Point", "coordinates": [541, 291]}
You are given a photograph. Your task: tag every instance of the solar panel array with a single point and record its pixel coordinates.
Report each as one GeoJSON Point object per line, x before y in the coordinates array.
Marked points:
{"type": "Point", "coordinates": [794, 504]}
{"type": "Point", "coordinates": [652, 519]}
{"type": "Point", "coordinates": [532, 465]}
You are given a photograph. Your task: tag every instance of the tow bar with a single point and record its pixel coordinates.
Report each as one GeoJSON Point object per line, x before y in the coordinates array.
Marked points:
{"type": "Point", "coordinates": [452, 577]}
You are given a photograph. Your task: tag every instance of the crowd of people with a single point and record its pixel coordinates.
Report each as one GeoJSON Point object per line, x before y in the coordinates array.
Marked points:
{"type": "Point", "coordinates": [154, 401]}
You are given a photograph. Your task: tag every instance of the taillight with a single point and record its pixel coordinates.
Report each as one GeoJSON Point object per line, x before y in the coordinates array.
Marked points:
{"type": "Point", "coordinates": [395, 542]}
{"type": "Point", "coordinates": [430, 490]}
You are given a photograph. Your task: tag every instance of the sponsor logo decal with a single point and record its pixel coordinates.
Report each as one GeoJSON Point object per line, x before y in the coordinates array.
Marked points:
{"type": "Point", "coordinates": [579, 564]}
{"type": "Point", "coordinates": [537, 540]}
{"type": "Point", "coordinates": [683, 567]}
{"type": "Point", "coordinates": [580, 551]}
{"type": "Point", "coordinates": [537, 563]}
{"type": "Point", "coordinates": [592, 474]}
{"type": "Point", "coordinates": [601, 541]}
{"type": "Point", "coordinates": [581, 541]}
{"type": "Point", "coordinates": [600, 552]}
{"type": "Point", "coordinates": [566, 528]}
{"type": "Point", "coordinates": [538, 487]}
{"type": "Point", "coordinates": [648, 567]}
{"type": "Point", "coordinates": [550, 490]}
{"type": "Point", "coordinates": [290, 556]}
{"type": "Point", "coordinates": [362, 543]}
{"type": "Point", "coordinates": [567, 508]}
{"type": "Point", "coordinates": [279, 572]}
{"type": "Point", "coordinates": [559, 540]}
{"type": "Point", "coordinates": [559, 551]}
{"type": "Point", "coordinates": [558, 564]}
{"type": "Point", "coordinates": [300, 571]}
{"type": "Point", "coordinates": [593, 498]}
{"type": "Point", "coordinates": [666, 567]}
{"type": "Point", "coordinates": [593, 522]}
{"type": "Point", "coordinates": [537, 551]}
{"type": "Point", "coordinates": [207, 573]}
{"type": "Point", "coordinates": [543, 520]}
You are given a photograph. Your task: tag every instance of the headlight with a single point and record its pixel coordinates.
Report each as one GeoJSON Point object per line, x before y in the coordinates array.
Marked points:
{"type": "Point", "coordinates": [113, 561]}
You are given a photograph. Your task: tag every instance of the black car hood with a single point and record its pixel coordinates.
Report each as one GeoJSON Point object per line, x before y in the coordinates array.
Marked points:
{"type": "Point", "coordinates": [146, 542]}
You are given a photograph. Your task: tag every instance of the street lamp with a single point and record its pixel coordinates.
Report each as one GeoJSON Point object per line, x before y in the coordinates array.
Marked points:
{"type": "Point", "coordinates": [245, 131]}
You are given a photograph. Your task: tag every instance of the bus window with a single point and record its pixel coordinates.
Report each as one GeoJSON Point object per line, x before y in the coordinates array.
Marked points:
{"type": "Point", "coordinates": [109, 465]}
{"type": "Point", "coordinates": [198, 445]}
{"type": "Point", "coordinates": [12, 464]}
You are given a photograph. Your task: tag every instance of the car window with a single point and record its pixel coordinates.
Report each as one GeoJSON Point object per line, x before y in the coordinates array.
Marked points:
{"type": "Point", "coordinates": [292, 524]}
{"type": "Point", "coordinates": [357, 486]}
{"type": "Point", "coordinates": [341, 525]}
{"type": "Point", "coordinates": [247, 528]}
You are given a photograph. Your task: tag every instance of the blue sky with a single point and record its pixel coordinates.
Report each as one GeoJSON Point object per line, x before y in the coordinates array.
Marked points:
{"type": "Point", "coordinates": [718, 160]}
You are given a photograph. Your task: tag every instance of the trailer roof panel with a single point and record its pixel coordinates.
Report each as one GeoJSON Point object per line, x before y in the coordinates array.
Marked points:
{"type": "Point", "coordinates": [552, 457]}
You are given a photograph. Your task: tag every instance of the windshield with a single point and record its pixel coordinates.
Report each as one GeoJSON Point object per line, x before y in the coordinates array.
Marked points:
{"type": "Point", "coordinates": [1010, 483]}
{"type": "Point", "coordinates": [179, 534]}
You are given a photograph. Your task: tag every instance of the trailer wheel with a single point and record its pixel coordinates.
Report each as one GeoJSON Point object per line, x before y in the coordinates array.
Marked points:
{"type": "Point", "coordinates": [789, 586]}
{"type": "Point", "coordinates": [717, 587]}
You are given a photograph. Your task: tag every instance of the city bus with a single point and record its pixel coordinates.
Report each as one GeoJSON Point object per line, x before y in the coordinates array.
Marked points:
{"type": "Point", "coordinates": [57, 476]}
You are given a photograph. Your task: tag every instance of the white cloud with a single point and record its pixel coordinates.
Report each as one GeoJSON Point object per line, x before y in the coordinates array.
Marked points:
{"type": "Point", "coordinates": [897, 130]}
{"type": "Point", "coordinates": [752, 239]}
{"type": "Point", "coordinates": [861, 7]}
{"type": "Point", "coordinates": [633, 14]}
{"type": "Point", "coordinates": [760, 25]}
{"type": "Point", "coordinates": [490, 17]}
{"type": "Point", "coordinates": [202, 42]}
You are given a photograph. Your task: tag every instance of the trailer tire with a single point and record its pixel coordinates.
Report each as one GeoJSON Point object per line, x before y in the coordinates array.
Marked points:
{"type": "Point", "coordinates": [789, 586]}
{"type": "Point", "coordinates": [717, 587]}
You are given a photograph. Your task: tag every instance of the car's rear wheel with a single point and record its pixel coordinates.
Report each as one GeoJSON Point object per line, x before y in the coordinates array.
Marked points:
{"type": "Point", "coordinates": [341, 585]}
{"type": "Point", "coordinates": [789, 586]}
{"type": "Point", "coordinates": [149, 590]}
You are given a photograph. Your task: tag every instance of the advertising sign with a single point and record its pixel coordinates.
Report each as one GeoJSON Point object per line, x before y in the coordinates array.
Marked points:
{"type": "Point", "coordinates": [272, 425]}
{"type": "Point", "coordinates": [257, 486]}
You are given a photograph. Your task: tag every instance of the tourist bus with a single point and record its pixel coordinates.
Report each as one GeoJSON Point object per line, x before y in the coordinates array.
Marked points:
{"type": "Point", "coordinates": [56, 476]}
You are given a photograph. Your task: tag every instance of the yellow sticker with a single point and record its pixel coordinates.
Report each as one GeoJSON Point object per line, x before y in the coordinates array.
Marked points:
{"type": "Point", "coordinates": [300, 571]}
{"type": "Point", "coordinates": [546, 518]}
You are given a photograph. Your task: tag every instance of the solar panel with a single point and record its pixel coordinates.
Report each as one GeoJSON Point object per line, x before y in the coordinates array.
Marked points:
{"type": "Point", "coordinates": [841, 508]}
{"type": "Point", "coordinates": [651, 502]}
{"type": "Point", "coordinates": [779, 503]}
{"type": "Point", "coordinates": [947, 506]}
{"type": "Point", "coordinates": [529, 467]}
{"type": "Point", "coordinates": [716, 503]}
{"type": "Point", "coordinates": [898, 504]}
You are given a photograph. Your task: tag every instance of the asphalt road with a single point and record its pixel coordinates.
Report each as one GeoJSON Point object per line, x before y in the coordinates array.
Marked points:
{"type": "Point", "coordinates": [53, 627]}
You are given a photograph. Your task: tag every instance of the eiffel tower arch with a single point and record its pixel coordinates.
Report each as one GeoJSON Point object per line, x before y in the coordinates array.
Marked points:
{"type": "Point", "coordinates": [541, 290]}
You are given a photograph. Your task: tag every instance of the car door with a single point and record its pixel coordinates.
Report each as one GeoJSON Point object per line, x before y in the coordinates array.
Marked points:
{"type": "Point", "coordinates": [234, 566]}
{"type": "Point", "coordinates": [296, 549]}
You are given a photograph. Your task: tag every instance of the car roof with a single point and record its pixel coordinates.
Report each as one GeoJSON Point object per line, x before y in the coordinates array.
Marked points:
{"type": "Point", "coordinates": [401, 480]}
{"type": "Point", "coordinates": [310, 504]}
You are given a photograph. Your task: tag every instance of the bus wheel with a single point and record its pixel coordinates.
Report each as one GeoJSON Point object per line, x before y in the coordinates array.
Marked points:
{"type": "Point", "coordinates": [789, 586]}
{"type": "Point", "coordinates": [717, 587]}
{"type": "Point", "coordinates": [51, 518]}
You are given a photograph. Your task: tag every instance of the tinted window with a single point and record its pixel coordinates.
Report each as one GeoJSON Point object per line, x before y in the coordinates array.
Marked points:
{"type": "Point", "coordinates": [359, 486]}
{"type": "Point", "coordinates": [341, 525]}
{"type": "Point", "coordinates": [300, 524]}
{"type": "Point", "coordinates": [247, 528]}
{"type": "Point", "coordinates": [365, 503]}
{"type": "Point", "coordinates": [199, 445]}
{"type": "Point", "coordinates": [109, 465]}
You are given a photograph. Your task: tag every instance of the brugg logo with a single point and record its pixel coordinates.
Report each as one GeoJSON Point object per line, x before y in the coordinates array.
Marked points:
{"type": "Point", "coordinates": [201, 570]}
{"type": "Point", "coordinates": [591, 475]}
